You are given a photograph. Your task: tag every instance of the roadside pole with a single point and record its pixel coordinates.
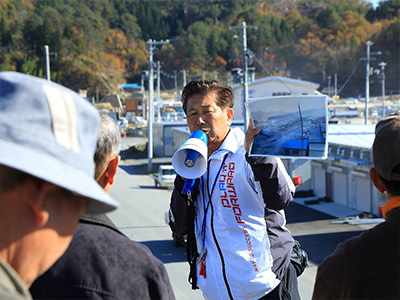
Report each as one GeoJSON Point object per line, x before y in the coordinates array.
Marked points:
{"type": "Point", "coordinates": [245, 72]}
{"type": "Point", "coordinates": [152, 46]}
{"type": "Point", "coordinates": [47, 58]}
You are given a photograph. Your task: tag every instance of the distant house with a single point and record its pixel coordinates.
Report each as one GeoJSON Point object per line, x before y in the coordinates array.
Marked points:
{"type": "Point", "coordinates": [114, 102]}
{"type": "Point", "coordinates": [135, 106]}
{"type": "Point", "coordinates": [271, 86]}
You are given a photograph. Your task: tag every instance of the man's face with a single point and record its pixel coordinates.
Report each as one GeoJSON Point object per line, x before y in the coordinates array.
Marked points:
{"type": "Point", "coordinates": [204, 114]}
{"type": "Point", "coordinates": [43, 217]}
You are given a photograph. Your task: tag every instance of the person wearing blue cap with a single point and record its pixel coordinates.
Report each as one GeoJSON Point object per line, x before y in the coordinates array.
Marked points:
{"type": "Point", "coordinates": [101, 262]}
{"type": "Point", "coordinates": [46, 176]}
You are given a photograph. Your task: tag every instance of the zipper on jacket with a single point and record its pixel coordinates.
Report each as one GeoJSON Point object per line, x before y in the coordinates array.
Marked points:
{"type": "Point", "coordinates": [215, 237]}
{"type": "Point", "coordinates": [220, 254]}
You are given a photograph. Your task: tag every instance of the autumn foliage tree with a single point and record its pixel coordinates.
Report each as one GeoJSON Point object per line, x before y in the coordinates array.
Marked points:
{"type": "Point", "coordinates": [92, 40]}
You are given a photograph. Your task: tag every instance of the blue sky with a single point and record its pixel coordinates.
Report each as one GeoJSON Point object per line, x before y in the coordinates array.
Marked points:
{"type": "Point", "coordinates": [375, 2]}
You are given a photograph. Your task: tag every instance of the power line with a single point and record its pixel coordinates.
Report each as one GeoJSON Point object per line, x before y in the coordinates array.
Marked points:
{"type": "Point", "coordinates": [347, 80]}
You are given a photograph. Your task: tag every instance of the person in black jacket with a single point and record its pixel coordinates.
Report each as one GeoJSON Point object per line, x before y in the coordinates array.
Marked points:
{"type": "Point", "coordinates": [101, 262]}
{"type": "Point", "coordinates": [368, 266]}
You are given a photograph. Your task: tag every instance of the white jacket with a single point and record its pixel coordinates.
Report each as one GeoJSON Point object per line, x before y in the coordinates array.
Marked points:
{"type": "Point", "coordinates": [238, 263]}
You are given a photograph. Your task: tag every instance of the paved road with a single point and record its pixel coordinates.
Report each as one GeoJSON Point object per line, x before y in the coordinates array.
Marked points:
{"type": "Point", "coordinates": [141, 217]}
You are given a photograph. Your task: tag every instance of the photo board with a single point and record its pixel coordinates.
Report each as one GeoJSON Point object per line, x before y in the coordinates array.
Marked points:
{"type": "Point", "coordinates": [291, 126]}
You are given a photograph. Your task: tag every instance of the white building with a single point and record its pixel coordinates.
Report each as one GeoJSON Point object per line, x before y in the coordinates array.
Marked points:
{"type": "Point", "coordinates": [344, 176]}
{"type": "Point", "coordinates": [271, 86]}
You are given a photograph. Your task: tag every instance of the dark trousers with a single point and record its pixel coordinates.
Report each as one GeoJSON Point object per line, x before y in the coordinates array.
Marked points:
{"type": "Point", "coordinates": [287, 289]}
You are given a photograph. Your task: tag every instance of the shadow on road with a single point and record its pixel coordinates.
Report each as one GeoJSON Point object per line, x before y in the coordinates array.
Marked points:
{"type": "Point", "coordinates": [137, 169]}
{"type": "Point", "coordinates": [145, 187]}
{"type": "Point", "coordinates": [140, 167]}
{"type": "Point", "coordinates": [166, 251]}
{"type": "Point", "coordinates": [296, 213]}
{"type": "Point", "coordinates": [319, 246]}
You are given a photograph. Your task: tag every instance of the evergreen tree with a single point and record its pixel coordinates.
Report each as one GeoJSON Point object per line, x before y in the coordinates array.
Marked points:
{"type": "Point", "coordinates": [31, 35]}
{"type": "Point", "coordinates": [5, 34]}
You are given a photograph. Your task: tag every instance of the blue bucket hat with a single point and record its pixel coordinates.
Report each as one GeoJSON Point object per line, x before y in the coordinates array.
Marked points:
{"type": "Point", "coordinates": [50, 132]}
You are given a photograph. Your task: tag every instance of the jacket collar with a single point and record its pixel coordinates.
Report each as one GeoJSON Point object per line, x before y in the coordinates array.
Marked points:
{"type": "Point", "coordinates": [391, 204]}
{"type": "Point", "coordinates": [393, 215]}
{"type": "Point", "coordinates": [232, 142]}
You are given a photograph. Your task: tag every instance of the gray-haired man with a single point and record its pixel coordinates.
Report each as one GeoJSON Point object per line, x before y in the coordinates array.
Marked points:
{"type": "Point", "coordinates": [102, 263]}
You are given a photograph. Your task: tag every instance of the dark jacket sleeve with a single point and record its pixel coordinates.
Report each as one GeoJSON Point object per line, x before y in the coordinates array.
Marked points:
{"type": "Point", "coordinates": [181, 208]}
{"type": "Point", "coordinates": [275, 188]}
{"type": "Point", "coordinates": [159, 285]}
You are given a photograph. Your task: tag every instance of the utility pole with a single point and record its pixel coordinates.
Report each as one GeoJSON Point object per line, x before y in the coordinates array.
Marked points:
{"type": "Point", "coordinates": [335, 84]}
{"type": "Point", "coordinates": [302, 129]}
{"type": "Point", "coordinates": [367, 71]}
{"type": "Point", "coordinates": [46, 54]}
{"type": "Point", "coordinates": [184, 78]}
{"type": "Point", "coordinates": [152, 46]}
{"type": "Point", "coordinates": [144, 112]}
{"type": "Point", "coordinates": [245, 75]}
{"type": "Point", "coordinates": [176, 85]}
{"type": "Point", "coordinates": [367, 74]}
{"type": "Point", "coordinates": [329, 86]}
{"type": "Point", "coordinates": [159, 102]}
{"type": "Point", "coordinates": [382, 65]}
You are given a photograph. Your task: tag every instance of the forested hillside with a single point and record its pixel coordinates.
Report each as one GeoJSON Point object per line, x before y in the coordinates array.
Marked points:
{"type": "Point", "coordinates": [94, 40]}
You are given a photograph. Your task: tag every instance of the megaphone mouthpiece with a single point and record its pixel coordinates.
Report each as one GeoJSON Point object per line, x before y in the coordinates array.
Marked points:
{"type": "Point", "coordinates": [189, 163]}
{"type": "Point", "coordinates": [191, 157]}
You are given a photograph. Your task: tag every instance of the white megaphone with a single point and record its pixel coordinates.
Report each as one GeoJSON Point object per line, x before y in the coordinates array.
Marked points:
{"type": "Point", "coordinates": [190, 160]}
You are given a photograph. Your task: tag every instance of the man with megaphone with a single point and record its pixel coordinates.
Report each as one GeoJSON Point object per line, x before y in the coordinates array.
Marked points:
{"type": "Point", "coordinates": [238, 246]}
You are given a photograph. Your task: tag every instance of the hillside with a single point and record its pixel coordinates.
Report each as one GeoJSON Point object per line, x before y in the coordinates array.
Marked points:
{"type": "Point", "coordinates": [99, 45]}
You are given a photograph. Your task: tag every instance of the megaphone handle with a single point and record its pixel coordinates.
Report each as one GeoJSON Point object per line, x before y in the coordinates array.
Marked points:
{"type": "Point", "coordinates": [188, 189]}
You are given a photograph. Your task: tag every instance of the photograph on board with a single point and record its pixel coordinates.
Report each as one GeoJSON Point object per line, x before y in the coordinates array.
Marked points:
{"type": "Point", "coordinates": [292, 126]}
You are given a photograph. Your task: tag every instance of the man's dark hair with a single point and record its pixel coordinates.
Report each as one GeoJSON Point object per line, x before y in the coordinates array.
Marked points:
{"type": "Point", "coordinates": [11, 178]}
{"type": "Point", "coordinates": [224, 95]}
